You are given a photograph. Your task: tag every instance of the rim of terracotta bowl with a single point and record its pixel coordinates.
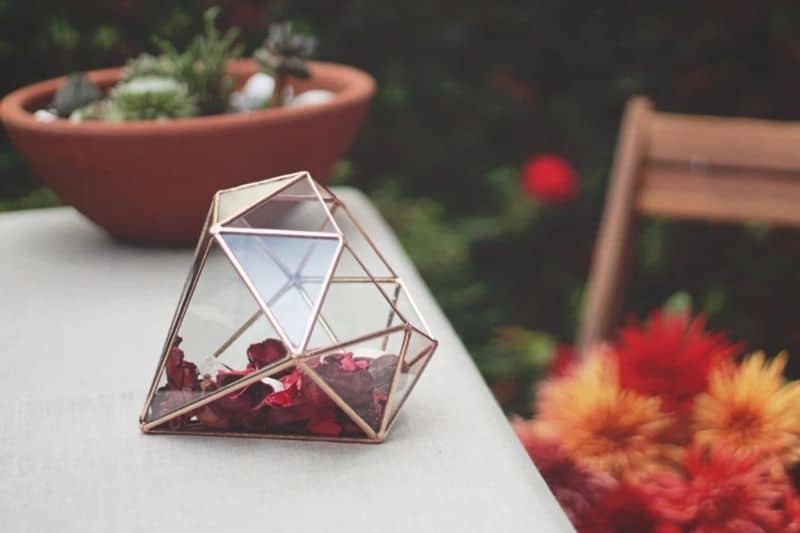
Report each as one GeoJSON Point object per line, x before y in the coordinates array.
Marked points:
{"type": "Point", "coordinates": [16, 108]}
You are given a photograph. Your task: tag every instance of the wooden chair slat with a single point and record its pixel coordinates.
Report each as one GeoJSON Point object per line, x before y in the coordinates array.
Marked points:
{"type": "Point", "coordinates": [726, 195]}
{"type": "Point", "coordinates": [718, 141]}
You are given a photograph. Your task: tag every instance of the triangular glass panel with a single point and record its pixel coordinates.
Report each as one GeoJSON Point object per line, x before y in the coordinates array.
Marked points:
{"type": "Point", "coordinates": [199, 257]}
{"type": "Point", "coordinates": [361, 244]}
{"type": "Point", "coordinates": [234, 201]}
{"type": "Point", "coordinates": [360, 373]}
{"type": "Point", "coordinates": [222, 330]}
{"type": "Point", "coordinates": [326, 194]}
{"type": "Point", "coordinates": [418, 352]}
{"type": "Point", "coordinates": [287, 273]}
{"type": "Point", "coordinates": [288, 403]}
{"type": "Point", "coordinates": [401, 300]}
{"type": "Point", "coordinates": [353, 306]}
{"type": "Point", "coordinates": [297, 207]}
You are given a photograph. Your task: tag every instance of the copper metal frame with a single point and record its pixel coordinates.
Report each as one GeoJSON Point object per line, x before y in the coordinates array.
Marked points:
{"type": "Point", "coordinates": [213, 232]}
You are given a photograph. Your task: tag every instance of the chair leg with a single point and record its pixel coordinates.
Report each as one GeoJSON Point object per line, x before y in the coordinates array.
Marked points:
{"type": "Point", "coordinates": [605, 285]}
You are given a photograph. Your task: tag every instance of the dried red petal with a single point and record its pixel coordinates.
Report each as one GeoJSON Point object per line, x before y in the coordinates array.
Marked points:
{"type": "Point", "coordinates": [265, 353]}
{"type": "Point", "coordinates": [293, 379]}
{"type": "Point", "coordinates": [212, 416]}
{"type": "Point", "coordinates": [293, 384]}
{"type": "Point", "coordinates": [226, 377]}
{"type": "Point", "coordinates": [284, 398]}
{"type": "Point", "coordinates": [326, 428]}
{"type": "Point", "coordinates": [348, 377]}
{"type": "Point", "coordinates": [240, 405]}
{"type": "Point", "coordinates": [348, 364]}
{"type": "Point", "coordinates": [181, 374]}
{"type": "Point", "coordinates": [379, 400]}
{"type": "Point", "coordinates": [168, 400]}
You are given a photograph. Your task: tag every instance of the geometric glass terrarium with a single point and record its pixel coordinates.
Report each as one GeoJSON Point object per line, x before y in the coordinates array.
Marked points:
{"type": "Point", "coordinates": [291, 324]}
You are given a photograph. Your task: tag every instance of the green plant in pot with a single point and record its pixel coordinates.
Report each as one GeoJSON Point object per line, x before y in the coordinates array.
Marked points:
{"type": "Point", "coordinates": [202, 65]}
{"type": "Point", "coordinates": [173, 84]}
{"type": "Point", "coordinates": [193, 120]}
{"type": "Point", "coordinates": [195, 82]}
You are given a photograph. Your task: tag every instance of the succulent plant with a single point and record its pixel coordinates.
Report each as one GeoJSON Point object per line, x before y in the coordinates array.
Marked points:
{"type": "Point", "coordinates": [99, 110]}
{"type": "Point", "coordinates": [202, 65]}
{"type": "Point", "coordinates": [284, 55]}
{"type": "Point", "coordinates": [148, 65]}
{"type": "Point", "coordinates": [151, 98]}
{"type": "Point", "coordinates": [76, 92]}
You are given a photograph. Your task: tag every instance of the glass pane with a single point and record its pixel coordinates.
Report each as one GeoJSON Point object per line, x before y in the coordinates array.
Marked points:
{"type": "Point", "coordinates": [402, 302]}
{"type": "Point", "coordinates": [326, 194]}
{"type": "Point", "coordinates": [288, 273]}
{"type": "Point", "coordinates": [353, 306]}
{"type": "Point", "coordinates": [233, 201]}
{"type": "Point", "coordinates": [287, 403]}
{"type": "Point", "coordinates": [295, 208]}
{"type": "Point", "coordinates": [361, 373]}
{"type": "Point", "coordinates": [419, 350]}
{"type": "Point", "coordinates": [360, 244]}
{"type": "Point", "coordinates": [223, 331]}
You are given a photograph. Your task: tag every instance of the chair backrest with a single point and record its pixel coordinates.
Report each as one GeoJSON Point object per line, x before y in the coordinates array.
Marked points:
{"type": "Point", "coordinates": [687, 167]}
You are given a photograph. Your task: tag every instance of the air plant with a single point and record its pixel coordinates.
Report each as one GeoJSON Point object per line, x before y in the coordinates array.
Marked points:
{"type": "Point", "coordinates": [284, 55]}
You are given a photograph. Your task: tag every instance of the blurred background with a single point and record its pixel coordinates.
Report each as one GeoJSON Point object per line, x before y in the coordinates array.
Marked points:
{"type": "Point", "coordinates": [470, 91]}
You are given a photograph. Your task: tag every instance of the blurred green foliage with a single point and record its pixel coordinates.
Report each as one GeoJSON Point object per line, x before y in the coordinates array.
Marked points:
{"type": "Point", "coordinates": [468, 90]}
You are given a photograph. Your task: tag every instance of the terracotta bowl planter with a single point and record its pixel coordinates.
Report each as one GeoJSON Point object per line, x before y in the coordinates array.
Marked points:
{"type": "Point", "coordinates": [152, 182]}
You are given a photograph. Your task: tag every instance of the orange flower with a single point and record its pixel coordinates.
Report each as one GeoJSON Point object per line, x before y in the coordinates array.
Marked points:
{"type": "Point", "coordinates": [751, 409]}
{"type": "Point", "coordinates": [602, 426]}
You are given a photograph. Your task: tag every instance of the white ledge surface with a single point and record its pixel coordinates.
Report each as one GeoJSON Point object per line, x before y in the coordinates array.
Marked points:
{"type": "Point", "coordinates": [82, 320]}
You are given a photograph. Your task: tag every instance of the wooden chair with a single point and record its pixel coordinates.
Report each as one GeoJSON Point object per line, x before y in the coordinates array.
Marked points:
{"type": "Point", "coordinates": [687, 167]}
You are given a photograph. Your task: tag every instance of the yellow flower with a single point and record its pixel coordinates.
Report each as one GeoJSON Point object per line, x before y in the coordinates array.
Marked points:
{"type": "Point", "coordinates": [751, 409]}
{"type": "Point", "coordinates": [603, 426]}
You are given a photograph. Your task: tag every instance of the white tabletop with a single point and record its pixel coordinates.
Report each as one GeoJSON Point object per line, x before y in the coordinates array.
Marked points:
{"type": "Point", "coordinates": [82, 320]}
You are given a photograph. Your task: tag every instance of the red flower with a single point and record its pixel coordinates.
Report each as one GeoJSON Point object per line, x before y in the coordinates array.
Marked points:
{"type": "Point", "coordinates": [563, 361]}
{"type": "Point", "coordinates": [577, 489]}
{"type": "Point", "coordinates": [549, 178]}
{"type": "Point", "coordinates": [734, 492]}
{"type": "Point", "coordinates": [628, 508]}
{"type": "Point", "coordinates": [670, 357]}
{"type": "Point", "coordinates": [264, 353]}
{"type": "Point", "coordinates": [791, 509]}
